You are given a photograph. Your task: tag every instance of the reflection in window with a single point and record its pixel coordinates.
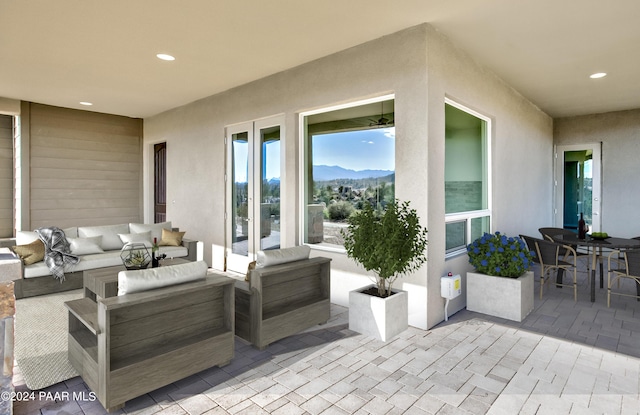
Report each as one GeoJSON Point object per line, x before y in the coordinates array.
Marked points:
{"type": "Point", "coordinates": [349, 162]}
{"type": "Point", "coordinates": [240, 193]}
{"type": "Point", "coordinates": [270, 189]}
{"type": "Point", "coordinates": [466, 177]}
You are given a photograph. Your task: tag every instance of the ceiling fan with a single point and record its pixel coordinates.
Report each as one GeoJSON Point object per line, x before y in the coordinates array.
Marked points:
{"type": "Point", "coordinates": [382, 121]}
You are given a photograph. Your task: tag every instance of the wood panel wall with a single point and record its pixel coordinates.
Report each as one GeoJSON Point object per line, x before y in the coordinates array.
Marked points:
{"type": "Point", "coordinates": [6, 176]}
{"type": "Point", "coordinates": [85, 168]}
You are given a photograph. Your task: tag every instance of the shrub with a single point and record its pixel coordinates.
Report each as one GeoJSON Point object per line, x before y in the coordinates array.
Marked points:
{"type": "Point", "coordinates": [500, 255]}
{"type": "Point", "coordinates": [340, 210]}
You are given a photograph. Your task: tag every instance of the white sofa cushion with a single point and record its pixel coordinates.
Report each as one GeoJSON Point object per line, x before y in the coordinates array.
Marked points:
{"type": "Point", "coordinates": [26, 237]}
{"type": "Point", "coordinates": [155, 228]}
{"type": "Point", "coordinates": [92, 261]}
{"type": "Point", "coordinates": [173, 251]}
{"type": "Point", "coordinates": [281, 256]}
{"type": "Point", "coordinates": [148, 279]}
{"type": "Point", "coordinates": [85, 246]}
{"type": "Point", "coordinates": [142, 237]}
{"type": "Point", "coordinates": [110, 238]}
{"type": "Point", "coordinates": [71, 232]}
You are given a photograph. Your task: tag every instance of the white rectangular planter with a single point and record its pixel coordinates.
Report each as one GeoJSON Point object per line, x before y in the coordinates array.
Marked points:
{"type": "Point", "coordinates": [382, 318]}
{"type": "Point", "coordinates": [509, 298]}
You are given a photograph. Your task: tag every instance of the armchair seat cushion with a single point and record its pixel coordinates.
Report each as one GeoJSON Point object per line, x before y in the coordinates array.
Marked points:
{"type": "Point", "coordinates": [282, 256]}
{"type": "Point", "coordinates": [148, 279]}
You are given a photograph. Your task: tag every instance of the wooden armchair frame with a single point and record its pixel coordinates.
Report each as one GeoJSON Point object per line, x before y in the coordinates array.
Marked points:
{"type": "Point", "coordinates": [126, 346]}
{"type": "Point", "coordinates": [282, 300]}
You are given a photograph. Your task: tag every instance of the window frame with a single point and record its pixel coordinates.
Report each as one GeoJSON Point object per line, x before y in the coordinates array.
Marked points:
{"type": "Point", "coordinates": [468, 216]}
{"type": "Point", "coordinates": [302, 134]}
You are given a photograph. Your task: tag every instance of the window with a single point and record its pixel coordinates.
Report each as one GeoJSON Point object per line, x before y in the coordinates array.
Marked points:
{"type": "Point", "coordinates": [467, 176]}
{"type": "Point", "coordinates": [349, 160]}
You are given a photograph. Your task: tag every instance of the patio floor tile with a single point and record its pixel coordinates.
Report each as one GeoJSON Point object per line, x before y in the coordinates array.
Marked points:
{"type": "Point", "coordinates": [566, 357]}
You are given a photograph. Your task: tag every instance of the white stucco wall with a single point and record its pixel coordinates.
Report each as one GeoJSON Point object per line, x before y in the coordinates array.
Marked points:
{"type": "Point", "coordinates": [195, 140]}
{"type": "Point", "coordinates": [420, 67]}
{"type": "Point", "coordinates": [619, 133]}
{"type": "Point", "coordinates": [521, 157]}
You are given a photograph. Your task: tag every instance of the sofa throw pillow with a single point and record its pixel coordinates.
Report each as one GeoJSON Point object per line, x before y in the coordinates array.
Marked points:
{"type": "Point", "coordinates": [155, 228]}
{"type": "Point", "coordinates": [30, 253]}
{"type": "Point", "coordinates": [281, 256]}
{"type": "Point", "coordinates": [85, 246]}
{"type": "Point", "coordinates": [171, 238]}
{"type": "Point", "coordinates": [26, 237]}
{"type": "Point", "coordinates": [110, 239]}
{"type": "Point", "coordinates": [251, 267]}
{"type": "Point", "coordinates": [148, 279]}
{"type": "Point", "coordinates": [142, 237]}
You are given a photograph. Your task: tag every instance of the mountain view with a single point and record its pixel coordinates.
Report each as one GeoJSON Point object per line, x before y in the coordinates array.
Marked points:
{"type": "Point", "coordinates": [324, 173]}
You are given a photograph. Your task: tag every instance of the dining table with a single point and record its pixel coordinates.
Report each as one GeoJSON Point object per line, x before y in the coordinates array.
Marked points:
{"type": "Point", "coordinates": [596, 246]}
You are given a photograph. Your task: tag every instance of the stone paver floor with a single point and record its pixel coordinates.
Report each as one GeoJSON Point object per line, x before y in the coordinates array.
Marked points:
{"type": "Point", "coordinates": [565, 358]}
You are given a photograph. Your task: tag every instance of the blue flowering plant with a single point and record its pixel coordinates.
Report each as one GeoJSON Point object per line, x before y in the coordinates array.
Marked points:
{"type": "Point", "coordinates": [500, 255]}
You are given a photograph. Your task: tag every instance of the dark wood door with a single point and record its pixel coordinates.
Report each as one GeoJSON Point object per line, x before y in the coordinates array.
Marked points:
{"type": "Point", "coordinates": [160, 182]}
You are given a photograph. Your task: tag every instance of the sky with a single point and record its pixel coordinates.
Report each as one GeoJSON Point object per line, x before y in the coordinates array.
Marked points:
{"type": "Point", "coordinates": [355, 150]}
{"type": "Point", "coordinates": [240, 150]}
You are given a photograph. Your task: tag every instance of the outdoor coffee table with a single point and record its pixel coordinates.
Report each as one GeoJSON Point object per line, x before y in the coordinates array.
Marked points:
{"type": "Point", "coordinates": [103, 282]}
{"type": "Point", "coordinates": [597, 245]}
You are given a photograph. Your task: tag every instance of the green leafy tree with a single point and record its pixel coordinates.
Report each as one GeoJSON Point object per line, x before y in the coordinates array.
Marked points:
{"type": "Point", "coordinates": [391, 245]}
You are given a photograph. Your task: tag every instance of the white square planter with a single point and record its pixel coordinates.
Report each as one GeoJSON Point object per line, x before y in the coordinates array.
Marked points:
{"type": "Point", "coordinates": [509, 298]}
{"type": "Point", "coordinates": [382, 318]}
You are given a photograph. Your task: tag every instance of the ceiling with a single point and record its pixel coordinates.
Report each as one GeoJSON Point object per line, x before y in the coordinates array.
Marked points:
{"type": "Point", "coordinates": [66, 51]}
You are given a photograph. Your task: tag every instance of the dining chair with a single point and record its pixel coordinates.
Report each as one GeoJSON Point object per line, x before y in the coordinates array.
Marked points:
{"type": "Point", "coordinates": [549, 256]}
{"type": "Point", "coordinates": [617, 257]}
{"type": "Point", "coordinates": [548, 233]}
{"type": "Point", "coordinates": [628, 267]}
{"type": "Point", "coordinates": [531, 244]}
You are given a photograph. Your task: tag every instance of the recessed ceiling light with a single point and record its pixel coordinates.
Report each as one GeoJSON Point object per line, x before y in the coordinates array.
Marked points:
{"type": "Point", "coordinates": [165, 57]}
{"type": "Point", "coordinates": [86, 103]}
{"type": "Point", "coordinates": [598, 75]}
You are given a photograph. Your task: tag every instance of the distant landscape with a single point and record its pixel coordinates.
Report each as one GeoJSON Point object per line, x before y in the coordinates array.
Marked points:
{"type": "Point", "coordinates": [323, 173]}
{"type": "Point", "coordinates": [342, 191]}
{"type": "Point", "coordinates": [345, 191]}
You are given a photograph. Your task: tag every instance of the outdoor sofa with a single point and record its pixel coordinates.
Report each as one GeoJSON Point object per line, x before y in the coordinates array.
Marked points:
{"type": "Point", "coordinates": [96, 247]}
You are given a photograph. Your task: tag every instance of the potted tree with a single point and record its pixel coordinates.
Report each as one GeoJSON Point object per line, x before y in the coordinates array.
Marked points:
{"type": "Point", "coordinates": [502, 285]}
{"type": "Point", "coordinates": [390, 245]}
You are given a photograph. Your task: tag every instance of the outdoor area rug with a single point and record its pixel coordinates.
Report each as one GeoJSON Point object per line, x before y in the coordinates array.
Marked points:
{"type": "Point", "coordinates": [41, 327]}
